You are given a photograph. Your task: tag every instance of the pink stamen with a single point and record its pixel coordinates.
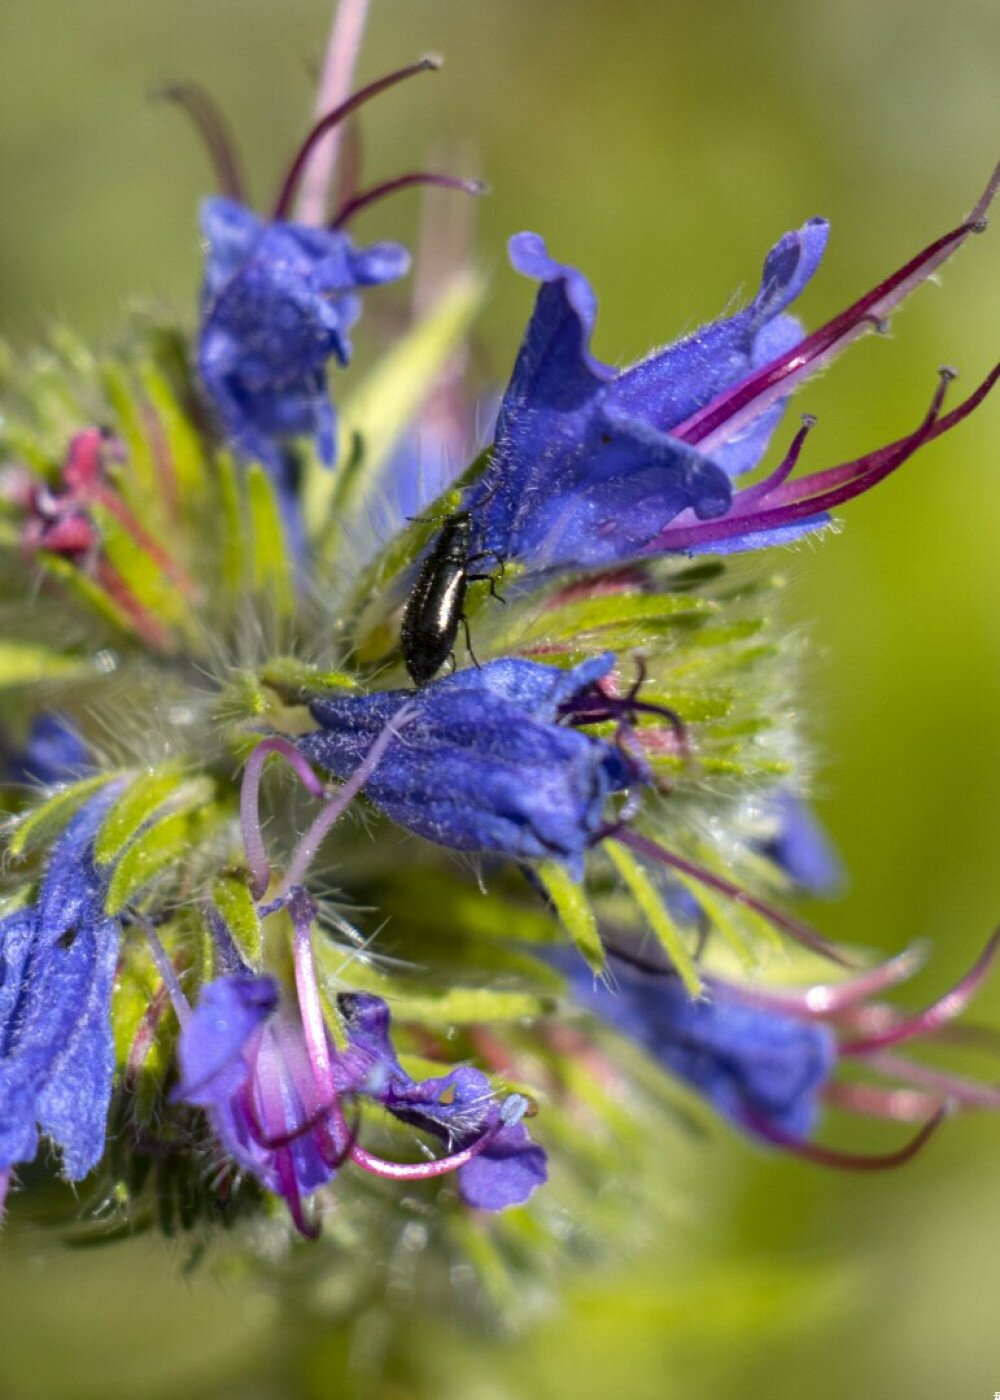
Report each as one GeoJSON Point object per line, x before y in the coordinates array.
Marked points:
{"type": "Point", "coordinates": [729, 411]}
{"type": "Point", "coordinates": [332, 119]}
{"type": "Point", "coordinates": [945, 1009]}
{"type": "Point", "coordinates": [752, 494]}
{"type": "Point", "coordinates": [215, 133]}
{"type": "Point", "coordinates": [402, 182]}
{"type": "Point", "coordinates": [337, 804]}
{"type": "Point", "coordinates": [949, 1086]}
{"type": "Point", "coordinates": [828, 999]}
{"type": "Point", "coordinates": [253, 836]}
{"type": "Point", "coordinates": [342, 51]}
{"type": "Point", "coordinates": [845, 1161]}
{"type": "Point", "coordinates": [422, 1171]}
{"type": "Point", "coordinates": [795, 928]}
{"type": "Point", "coordinates": [876, 1101]}
{"type": "Point", "coordinates": [145, 1034]}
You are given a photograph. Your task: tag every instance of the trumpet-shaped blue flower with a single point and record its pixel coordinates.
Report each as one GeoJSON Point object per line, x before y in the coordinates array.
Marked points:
{"type": "Point", "coordinates": [483, 764]}
{"type": "Point", "coordinates": [278, 300]}
{"type": "Point", "coordinates": [57, 967]}
{"type": "Point", "coordinates": [592, 466]}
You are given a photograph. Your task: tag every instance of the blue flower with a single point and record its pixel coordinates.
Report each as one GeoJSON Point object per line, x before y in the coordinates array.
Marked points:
{"type": "Point", "coordinates": [275, 1104]}
{"type": "Point", "coordinates": [755, 1066]}
{"type": "Point", "coordinates": [459, 1108]}
{"type": "Point", "coordinates": [794, 840]}
{"type": "Point", "coordinates": [587, 470]}
{"type": "Point", "coordinates": [278, 300]}
{"type": "Point", "coordinates": [57, 968]}
{"type": "Point", "coordinates": [592, 466]}
{"type": "Point", "coordinates": [53, 753]}
{"type": "Point", "coordinates": [483, 764]}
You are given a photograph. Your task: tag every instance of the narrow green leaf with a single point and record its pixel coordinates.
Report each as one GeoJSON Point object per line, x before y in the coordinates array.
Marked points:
{"type": "Point", "coordinates": [139, 483]}
{"type": "Point", "coordinates": [236, 906]}
{"type": "Point", "coordinates": [24, 663]}
{"type": "Point", "coordinates": [574, 911]}
{"type": "Point", "coordinates": [290, 677]}
{"type": "Point", "coordinates": [160, 845]}
{"type": "Point", "coordinates": [387, 400]}
{"type": "Point", "coordinates": [271, 569]}
{"type": "Point", "coordinates": [154, 589]}
{"type": "Point", "coordinates": [232, 529]}
{"type": "Point", "coordinates": [184, 448]}
{"type": "Point", "coordinates": [596, 614]}
{"type": "Point", "coordinates": [143, 798]}
{"type": "Point", "coordinates": [89, 591]}
{"type": "Point", "coordinates": [44, 822]}
{"type": "Point", "coordinates": [647, 897]}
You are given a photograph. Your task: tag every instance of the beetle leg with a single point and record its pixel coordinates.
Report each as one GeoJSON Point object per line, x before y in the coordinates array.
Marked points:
{"type": "Point", "coordinates": [468, 641]}
{"type": "Point", "coordinates": [486, 578]}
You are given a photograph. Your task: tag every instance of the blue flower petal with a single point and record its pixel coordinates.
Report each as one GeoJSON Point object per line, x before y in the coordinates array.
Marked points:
{"type": "Point", "coordinates": [229, 1012]}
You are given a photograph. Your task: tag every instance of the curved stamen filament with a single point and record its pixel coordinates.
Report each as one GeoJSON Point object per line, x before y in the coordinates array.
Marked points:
{"type": "Point", "coordinates": [943, 1010]}
{"type": "Point", "coordinates": [422, 1171]}
{"type": "Point", "coordinates": [735, 407]}
{"type": "Point", "coordinates": [795, 928]}
{"type": "Point", "coordinates": [402, 182]}
{"type": "Point", "coordinates": [949, 1086]}
{"type": "Point", "coordinates": [752, 494]}
{"type": "Point", "coordinates": [253, 836]}
{"type": "Point", "coordinates": [877, 1101]}
{"type": "Point", "coordinates": [845, 1161]}
{"type": "Point", "coordinates": [289, 189]}
{"type": "Point", "coordinates": [215, 133]}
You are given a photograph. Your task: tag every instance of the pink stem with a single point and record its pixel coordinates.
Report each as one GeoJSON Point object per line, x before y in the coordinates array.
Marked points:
{"type": "Point", "coordinates": [253, 836]}
{"type": "Point", "coordinates": [340, 61]}
{"type": "Point", "coordinates": [167, 971]}
{"type": "Point", "coordinates": [877, 1101]}
{"type": "Point", "coordinates": [949, 1086]}
{"type": "Point", "coordinates": [801, 932]}
{"type": "Point", "coordinates": [402, 182]}
{"type": "Point", "coordinates": [337, 804]}
{"type": "Point", "coordinates": [828, 999]}
{"type": "Point", "coordinates": [333, 119]}
{"type": "Point", "coordinates": [422, 1171]}
{"type": "Point", "coordinates": [846, 1161]}
{"type": "Point", "coordinates": [729, 411]}
{"type": "Point", "coordinates": [940, 1012]}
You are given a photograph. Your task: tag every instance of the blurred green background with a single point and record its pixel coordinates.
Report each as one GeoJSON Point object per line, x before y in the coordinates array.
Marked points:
{"type": "Point", "coordinates": [663, 145]}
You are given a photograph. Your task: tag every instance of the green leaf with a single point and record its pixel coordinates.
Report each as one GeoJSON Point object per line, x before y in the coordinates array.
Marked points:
{"type": "Point", "coordinates": [95, 598]}
{"type": "Point", "coordinates": [271, 574]}
{"type": "Point", "coordinates": [647, 897]}
{"type": "Point", "coordinates": [387, 400]}
{"type": "Point", "coordinates": [594, 614]}
{"type": "Point", "coordinates": [574, 911]}
{"type": "Point", "coordinates": [39, 826]}
{"type": "Point", "coordinates": [25, 663]}
{"type": "Point", "coordinates": [164, 843]}
{"type": "Point", "coordinates": [232, 528]}
{"type": "Point", "coordinates": [145, 797]}
{"type": "Point", "coordinates": [142, 574]}
{"type": "Point", "coordinates": [184, 448]}
{"type": "Point", "coordinates": [235, 904]}
{"type": "Point", "coordinates": [139, 483]}
{"type": "Point", "coordinates": [291, 677]}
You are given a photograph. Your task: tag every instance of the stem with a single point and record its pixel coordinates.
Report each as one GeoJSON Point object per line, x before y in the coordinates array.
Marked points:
{"type": "Point", "coordinates": [343, 47]}
{"type": "Point", "coordinates": [801, 932]}
{"type": "Point", "coordinates": [253, 836]}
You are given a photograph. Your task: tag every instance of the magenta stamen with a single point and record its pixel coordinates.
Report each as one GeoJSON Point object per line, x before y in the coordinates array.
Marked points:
{"type": "Point", "coordinates": [876, 1101]}
{"type": "Point", "coordinates": [166, 969]}
{"type": "Point", "coordinates": [945, 1009]}
{"type": "Point", "coordinates": [303, 911]}
{"type": "Point", "coordinates": [795, 928]}
{"type": "Point", "coordinates": [342, 50]}
{"type": "Point", "coordinates": [215, 133]}
{"type": "Point", "coordinates": [402, 182]}
{"type": "Point", "coordinates": [253, 836]}
{"type": "Point", "coordinates": [422, 1171]}
{"type": "Point", "coordinates": [950, 1086]}
{"type": "Point", "coordinates": [794, 501]}
{"type": "Point", "coordinates": [337, 804]}
{"type": "Point", "coordinates": [289, 1188]}
{"type": "Point", "coordinates": [752, 494]}
{"type": "Point", "coordinates": [845, 1161]}
{"type": "Point", "coordinates": [828, 999]}
{"type": "Point", "coordinates": [729, 411]}
{"type": "Point", "coordinates": [289, 188]}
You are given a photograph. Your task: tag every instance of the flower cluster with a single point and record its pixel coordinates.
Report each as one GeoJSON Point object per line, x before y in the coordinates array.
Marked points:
{"type": "Point", "coordinates": [611, 765]}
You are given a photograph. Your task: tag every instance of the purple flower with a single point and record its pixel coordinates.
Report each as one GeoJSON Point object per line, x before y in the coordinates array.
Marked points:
{"type": "Point", "coordinates": [793, 839]}
{"type": "Point", "coordinates": [278, 300]}
{"type": "Point", "coordinates": [57, 968]}
{"type": "Point", "coordinates": [592, 466]}
{"type": "Point", "coordinates": [766, 1059]}
{"type": "Point", "coordinates": [484, 763]}
{"type": "Point", "coordinates": [274, 1098]}
{"type": "Point", "coordinates": [53, 753]}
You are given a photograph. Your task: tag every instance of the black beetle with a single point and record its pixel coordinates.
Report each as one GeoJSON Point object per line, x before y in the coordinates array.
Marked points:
{"type": "Point", "coordinates": [436, 604]}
